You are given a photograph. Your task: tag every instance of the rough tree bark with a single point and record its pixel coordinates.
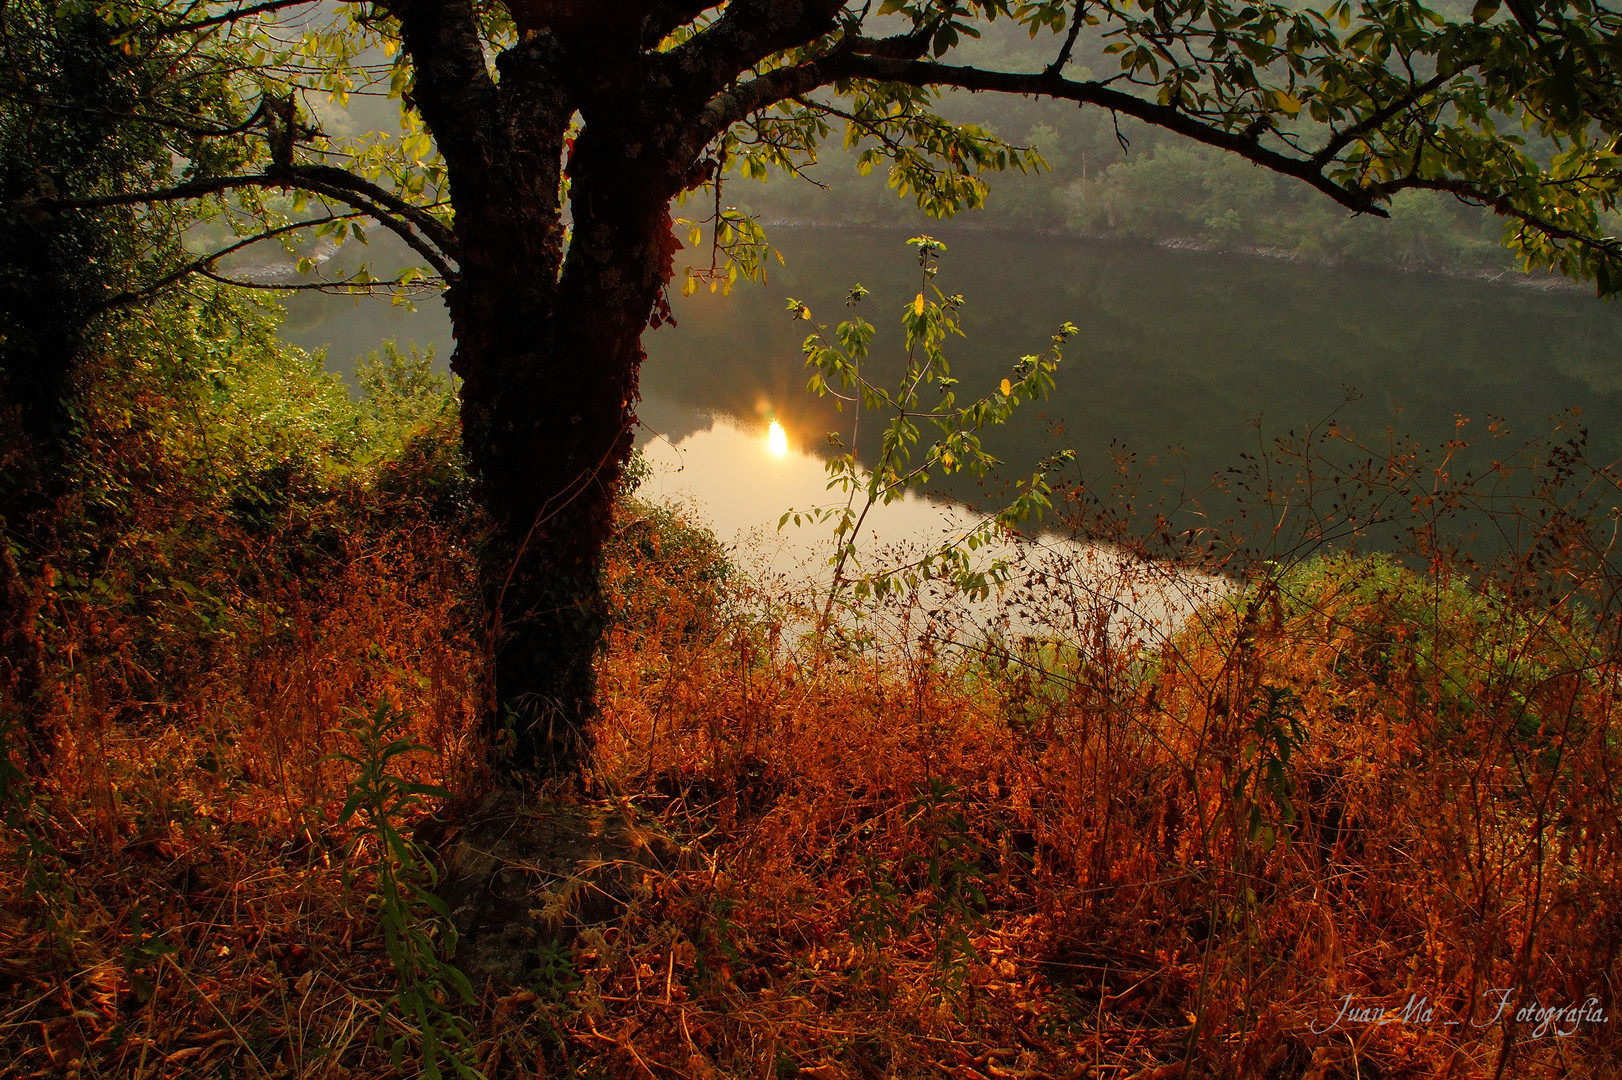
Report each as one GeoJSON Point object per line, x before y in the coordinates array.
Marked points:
{"type": "Point", "coordinates": [548, 347]}
{"type": "Point", "coordinates": [43, 312]}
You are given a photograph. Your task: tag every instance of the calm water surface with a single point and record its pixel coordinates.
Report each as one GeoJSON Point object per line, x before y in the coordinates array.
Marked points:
{"type": "Point", "coordinates": [1183, 358]}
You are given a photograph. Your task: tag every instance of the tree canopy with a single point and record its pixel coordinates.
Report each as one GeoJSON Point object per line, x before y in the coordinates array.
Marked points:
{"type": "Point", "coordinates": [1510, 106]}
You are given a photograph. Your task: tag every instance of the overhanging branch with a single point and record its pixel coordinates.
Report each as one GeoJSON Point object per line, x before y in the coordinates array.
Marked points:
{"type": "Point", "coordinates": [746, 33]}
{"type": "Point", "coordinates": [207, 262]}
{"type": "Point", "coordinates": [1076, 21]}
{"type": "Point", "coordinates": [665, 18]}
{"type": "Point", "coordinates": [382, 216]}
{"type": "Point", "coordinates": [436, 244]}
{"type": "Point", "coordinates": [1503, 206]}
{"type": "Point", "coordinates": [338, 179]}
{"type": "Point", "coordinates": [1342, 139]}
{"type": "Point", "coordinates": [346, 287]}
{"type": "Point", "coordinates": [737, 103]}
{"type": "Point", "coordinates": [234, 15]}
{"type": "Point", "coordinates": [1053, 85]}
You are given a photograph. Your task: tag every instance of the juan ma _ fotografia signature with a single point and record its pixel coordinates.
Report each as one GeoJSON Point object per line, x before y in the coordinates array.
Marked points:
{"type": "Point", "coordinates": [1556, 1020]}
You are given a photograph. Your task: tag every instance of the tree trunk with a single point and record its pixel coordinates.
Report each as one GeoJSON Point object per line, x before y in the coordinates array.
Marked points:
{"type": "Point", "coordinates": [549, 425]}
{"type": "Point", "coordinates": [548, 350]}
{"type": "Point", "coordinates": [47, 300]}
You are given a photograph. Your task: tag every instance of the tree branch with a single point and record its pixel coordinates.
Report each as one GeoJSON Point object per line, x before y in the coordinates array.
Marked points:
{"type": "Point", "coordinates": [334, 183]}
{"type": "Point", "coordinates": [669, 16]}
{"type": "Point", "coordinates": [232, 16]}
{"type": "Point", "coordinates": [747, 33]}
{"type": "Point", "coordinates": [1057, 67]}
{"type": "Point", "coordinates": [340, 288]}
{"type": "Point", "coordinates": [737, 102]}
{"type": "Point", "coordinates": [40, 102]}
{"type": "Point", "coordinates": [152, 288]}
{"type": "Point", "coordinates": [1342, 139]}
{"type": "Point", "coordinates": [439, 234]}
{"type": "Point", "coordinates": [732, 106]}
{"type": "Point", "coordinates": [431, 254]}
{"type": "Point", "coordinates": [911, 46]}
{"type": "Point", "coordinates": [1503, 206]}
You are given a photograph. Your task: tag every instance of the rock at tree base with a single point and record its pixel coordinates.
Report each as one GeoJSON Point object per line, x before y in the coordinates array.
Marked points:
{"type": "Point", "coordinates": [518, 878]}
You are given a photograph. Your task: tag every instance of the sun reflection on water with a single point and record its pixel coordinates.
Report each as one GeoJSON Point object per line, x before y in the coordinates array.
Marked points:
{"type": "Point", "coordinates": [777, 440]}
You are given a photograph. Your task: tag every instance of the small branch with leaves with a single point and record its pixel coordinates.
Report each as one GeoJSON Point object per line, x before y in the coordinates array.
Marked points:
{"type": "Point", "coordinates": [839, 371]}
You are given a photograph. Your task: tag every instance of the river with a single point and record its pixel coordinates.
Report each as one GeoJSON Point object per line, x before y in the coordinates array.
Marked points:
{"type": "Point", "coordinates": [1184, 360]}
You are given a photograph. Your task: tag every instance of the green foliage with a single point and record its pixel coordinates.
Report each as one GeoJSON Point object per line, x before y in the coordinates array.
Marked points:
{"type": "Point", "coordinates": [1459, 650]}
{"type": "Point", "coordinates": [1263, 769]}
{"type": "Point", "coordinates": [1516, 112]}
{"type": "Point", "coordinates": [553, 979]}
{"type": "Point", "coordinates": [203, 437]}
{"type": "Point", "coordinates": [204, 374]}
{"type": "Point", "coordinates": [669, 545]}
{"type": "Point", "coordinates": [903, 464]}
{"type": "Point", "coordinates": [661, 567]}
{"type": "Point", "coordinates": [143, 952]}
{"type": "Point", "coordinates": [415, 923]}
{"type": "Point", "coordinates": [410, 435]}
{"type": "Point", "coordinates": [955, 900]}
{"type": "Point", "coordinates": [1399, 622]}
{"type": "Point", "coordinates": [942, 886]}
{"type": "Point", "coordinates": [876, 911]}
{"type": "Point", "coordinates": [65, 87]}
{"type": "Point", "coordinates": [402, 395]}
{"type": "Point", "coordinates": [554, 976]}
{"type": "Point", "coordinates": [635, 473]}
{"type": "Point", "coordinates": [738, 250]}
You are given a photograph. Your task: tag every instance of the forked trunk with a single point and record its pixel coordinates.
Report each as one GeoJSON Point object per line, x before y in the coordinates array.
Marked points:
{"type": "Point", "coordinates": [549, 395]}
{"type": "Point", "coordinates": [548, 344]}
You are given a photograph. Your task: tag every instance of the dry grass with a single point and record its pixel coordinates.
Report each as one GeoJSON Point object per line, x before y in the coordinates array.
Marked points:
{"type": "Point", "coordinates": [1134, 919]}
{"type": "Point", "coordinates": [177, 899]}
{"type": "Point", "coordinates": [1027, 860]}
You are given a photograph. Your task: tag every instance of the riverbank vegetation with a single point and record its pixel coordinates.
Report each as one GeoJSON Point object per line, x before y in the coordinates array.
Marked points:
{"type": "Point", "coordinates": [1360, 786]}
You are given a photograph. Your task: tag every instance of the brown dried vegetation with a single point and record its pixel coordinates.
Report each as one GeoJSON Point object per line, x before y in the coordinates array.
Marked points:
{"type": "Point", "coordinates": [1058, 858]}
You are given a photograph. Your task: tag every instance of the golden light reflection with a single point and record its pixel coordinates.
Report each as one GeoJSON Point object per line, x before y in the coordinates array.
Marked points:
{"type": "Point", "coordinates": [777, 440]}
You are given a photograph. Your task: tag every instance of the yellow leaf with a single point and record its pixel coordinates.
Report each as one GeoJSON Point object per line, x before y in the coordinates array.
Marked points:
{"type": "Point", "coordinates": [1285, 102]}
{"type": "Point", "coordinates": [1007, 387]}
{"type": "Point", "coordinates": [918, 305]}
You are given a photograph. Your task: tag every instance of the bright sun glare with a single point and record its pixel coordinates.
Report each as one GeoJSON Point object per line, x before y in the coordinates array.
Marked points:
{"type": "Point", "coordinates": [777, 440]}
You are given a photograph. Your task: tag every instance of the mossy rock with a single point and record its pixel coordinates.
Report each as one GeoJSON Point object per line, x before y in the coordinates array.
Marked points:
{"type": "Point", "coordinates": [519, 877]}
